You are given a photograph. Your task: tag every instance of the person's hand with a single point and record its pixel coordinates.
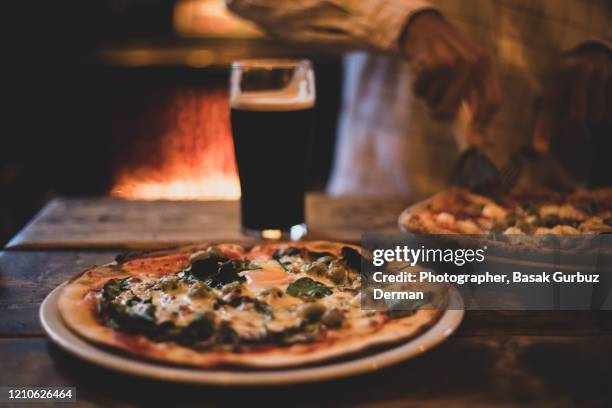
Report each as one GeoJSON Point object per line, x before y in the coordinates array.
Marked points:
{"type": "Point", "coordinates": [449, 70]}
{"type": "Point", "coordinates": [580, 94]}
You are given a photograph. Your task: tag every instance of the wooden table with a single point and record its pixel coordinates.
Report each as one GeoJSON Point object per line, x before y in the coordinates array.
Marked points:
{"type": "Point", "coordinates": [495, 358]}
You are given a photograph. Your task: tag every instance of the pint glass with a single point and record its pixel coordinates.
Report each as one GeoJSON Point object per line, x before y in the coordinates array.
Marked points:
{"type": "Point", "coordinates": [272, 105]}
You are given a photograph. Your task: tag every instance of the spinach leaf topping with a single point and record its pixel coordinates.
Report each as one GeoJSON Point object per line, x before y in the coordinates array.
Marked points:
{"type": "Point", "coordinates": [308, 287]}
{"type": "Point", "coordinates": [228, 273]}
{"type": "Point", "coordinates": [202, 327]}
{"type": "Point", "coordinates": [135, 318]}
{"type": "Point", "coordinates": [203, 269]}
{"type": "Point", "coordinates": [113, 288]}
{"type": "Point", "coordinates": [217, 272]}
{"type": "Point", "coordinates": [138, 317]}
{"type": "Point", "coordinates": [226, 335]}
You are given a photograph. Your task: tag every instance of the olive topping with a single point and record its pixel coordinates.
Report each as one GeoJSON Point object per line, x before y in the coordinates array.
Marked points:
{"type": "Point", "coordinates": [199, 291]}
{"type": "Point", "coordinates": [332, 318]}
{"type": "Point", "coordinates": [312, 312]}
{"type": "Point", "coordinates": [337, 272]}
{"type": "Point", "coordinates": [169, 284]}
{"type": "Point", "coordinates": [317, 269]}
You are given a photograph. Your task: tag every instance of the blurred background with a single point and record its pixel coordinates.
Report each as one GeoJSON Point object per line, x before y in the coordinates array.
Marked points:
{"type": "Point", "coordinates": [128, 98]}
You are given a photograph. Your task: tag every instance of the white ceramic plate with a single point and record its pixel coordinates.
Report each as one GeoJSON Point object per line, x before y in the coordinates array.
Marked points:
{"type": "Point", "coordinates": [62, 336]}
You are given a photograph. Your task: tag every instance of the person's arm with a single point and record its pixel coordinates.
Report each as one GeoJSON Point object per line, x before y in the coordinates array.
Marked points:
{"type": "Point", "coordinates": [580, 93]}
{"type": "Point", "coordinates": [448, 69]}
{"type": "Point", "coordinates": [577, 94]}
{"type": "Point", "coordinates": [352, 24]}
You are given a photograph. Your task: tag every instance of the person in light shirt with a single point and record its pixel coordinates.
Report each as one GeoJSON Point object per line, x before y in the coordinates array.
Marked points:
{"type": "Point", "coordinates": [422, 75]}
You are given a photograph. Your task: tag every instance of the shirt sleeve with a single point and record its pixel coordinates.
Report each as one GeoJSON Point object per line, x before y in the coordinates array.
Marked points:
{"type": "Point", "coordinates": [353, 24]}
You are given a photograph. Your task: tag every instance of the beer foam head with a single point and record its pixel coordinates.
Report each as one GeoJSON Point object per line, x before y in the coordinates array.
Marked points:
{"type": "Point", "coordinates": [272, 101]}
{"type": "Point", "coordinates": [297, 94]}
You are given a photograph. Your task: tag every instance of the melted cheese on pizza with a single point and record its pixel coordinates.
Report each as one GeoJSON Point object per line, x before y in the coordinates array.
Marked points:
{"type": "Point", "coordinates": [293, 296]}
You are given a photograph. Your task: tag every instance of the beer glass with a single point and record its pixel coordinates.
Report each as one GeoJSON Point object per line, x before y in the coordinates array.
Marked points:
{"type": "Point", "coordinates": [272, 106]}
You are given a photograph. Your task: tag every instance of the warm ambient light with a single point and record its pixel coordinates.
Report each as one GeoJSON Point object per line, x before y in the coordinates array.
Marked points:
{"type": "Point", "coordinates": [207, 187]}
{"type": "Point", "coordinates": [197, 156]}
{"type": "Point", "coordinates": [210, 18]}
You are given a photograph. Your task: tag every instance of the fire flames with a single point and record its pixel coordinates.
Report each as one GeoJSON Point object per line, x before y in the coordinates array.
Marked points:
{"type": "Point", "coordinates": [194, 159]}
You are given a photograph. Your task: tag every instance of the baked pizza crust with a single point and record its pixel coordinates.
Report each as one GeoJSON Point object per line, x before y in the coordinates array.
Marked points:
{"type": "Point", "coordinates": [78, 309]}
{"type": "Point", "coordinates": [418, 217]}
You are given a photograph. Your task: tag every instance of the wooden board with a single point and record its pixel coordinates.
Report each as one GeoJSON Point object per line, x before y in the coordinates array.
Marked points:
{"type": "Point", "coordinates": [27, 277]}
{"type": "Point", "coordinates": [118, 223]}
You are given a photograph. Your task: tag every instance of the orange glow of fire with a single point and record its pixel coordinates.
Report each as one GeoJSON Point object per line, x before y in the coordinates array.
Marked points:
{"type": "Point", "coordinates": [197, 155]}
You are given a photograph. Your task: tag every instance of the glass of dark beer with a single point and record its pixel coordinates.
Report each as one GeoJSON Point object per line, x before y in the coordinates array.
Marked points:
{"type": "Point", "coordinates": [272, 105]}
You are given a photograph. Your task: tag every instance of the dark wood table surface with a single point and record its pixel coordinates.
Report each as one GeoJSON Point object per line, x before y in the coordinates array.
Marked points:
{"type": "Point", "coordinates": [494, 359]}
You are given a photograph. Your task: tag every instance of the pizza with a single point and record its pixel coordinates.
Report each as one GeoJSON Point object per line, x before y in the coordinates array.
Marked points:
{"type": "Point", "coordinates": [208, 305]}
{"type": "Point", "coordinates": [520, 212]}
